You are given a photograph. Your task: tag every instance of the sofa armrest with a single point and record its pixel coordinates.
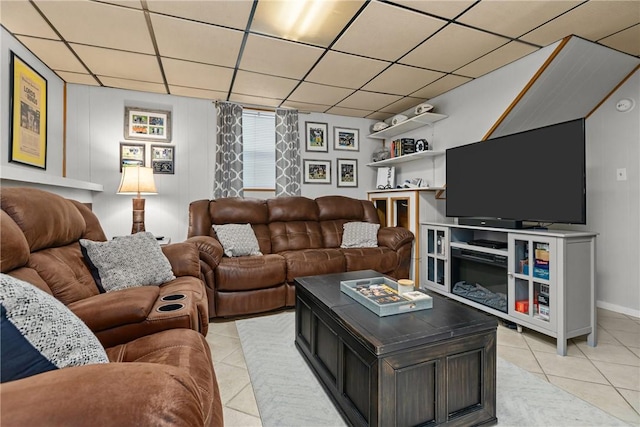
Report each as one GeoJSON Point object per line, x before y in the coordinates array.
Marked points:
{"type": "Point", "coordinates": [394, 237]}
{"type": "Point", "coordinates": [112, 309]}
{"type": "Point", "coordinates": [184, 258]}
{"type": "Point", "coordinates": [111, 394]}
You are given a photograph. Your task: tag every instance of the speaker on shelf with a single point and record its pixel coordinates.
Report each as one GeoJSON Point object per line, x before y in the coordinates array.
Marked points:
{"type": "Point", "coordinates": [397, 119]}
{"type": "Point", "coordinates": [423, 108]}
{"type": "Point", "coordinates": [422, 145]}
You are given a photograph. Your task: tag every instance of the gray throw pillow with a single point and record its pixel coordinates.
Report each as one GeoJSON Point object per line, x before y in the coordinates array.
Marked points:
{"type": "Point", "coordinates": [127, 262]}
{"type": "Point", "coordinates": [40, 334]}
{"type": "Point", "coordinates": [360, 235]}
{"type": "Point", "coordinates": [237, 239]}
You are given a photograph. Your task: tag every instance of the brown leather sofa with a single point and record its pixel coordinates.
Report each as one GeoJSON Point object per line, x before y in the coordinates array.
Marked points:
{"type": "Point", "coordinates": [168, 377]}
{"type": "Point", "coordinates": [298, 237]}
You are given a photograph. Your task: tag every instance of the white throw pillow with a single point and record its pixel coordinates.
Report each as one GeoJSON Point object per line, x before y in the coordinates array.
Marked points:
{"type": "Point", "coordinates": [237, 239]}
{"type": "Point", "coordinates": [127, 262]}
{"type": "Point", "coordinates": [360, 235]}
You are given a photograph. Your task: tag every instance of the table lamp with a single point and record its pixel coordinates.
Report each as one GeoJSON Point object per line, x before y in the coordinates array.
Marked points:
{"type": "Point", "coordinates": [137, 180]}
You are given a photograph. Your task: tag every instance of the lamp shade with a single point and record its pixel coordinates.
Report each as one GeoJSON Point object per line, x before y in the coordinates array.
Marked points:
{"type": "Point", "coordinates": [137, 180]}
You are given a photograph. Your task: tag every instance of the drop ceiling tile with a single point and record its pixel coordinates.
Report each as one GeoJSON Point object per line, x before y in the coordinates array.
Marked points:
{"type": "Point", "coordinates": [319, 94]}
{"type": "Point", "coordinates": [55, 54]}
{"type": "Point", "coordinates": [322, 21]}
{"type": "Point", "coordinates": [278, 57]}
{"type": "Point", "coordinates": [406, 103]}
{"type": "Point", "coordinates": [441, 86]}
{"type": "Point", "coordinates": [198, 76]}
{"type": "Point", "coordinates": [255, 84]}
{"type": "Point", "coordinates": [341, 69]}
{"type": "Point", "coordinates": [99, 24]}
{"type": "Point", "coordinates": [452, 48]}
{"type": "Point", "coordinates": [20, 17]}
{"type": "Point", "coordinates": [135, 4]}
{"type": "Point", "coordinates": [133, 85]}
{"type": "Point", "coordinates": [401, 31]}
{"type": "Point", "coordinates": [255, 101]}
{"type": "Point", "coordinates": [379, 116]}
{"type": "Point", "coordinates": [625, 41]}
{"type": "Point", "coordinates": [444, 8]}
{"type": "Point", "coordinates": [196, 93]}
{"type": "Point", "coordinates": [305, 106]}
{"type": "Point", "coordinates": [587, 22]}
{"type": "Point", "coordinates": [182, 39]}
{"type": "Point", "coordinates": [350, 112]}
{"type": "Point", "coordinates": [514, 18]}
{"type": "Point", "coordinates": [77, 78]}
{"type": "Point", "coordinates": [233, 14]}
{"type": "Point", "coordinates": [372, 101]}
{"type": "Point", "coordinates": [116, 63]}
{"type": "Point", "coordinates": [402, 80]}
{"type": "Point", "coordinates": [496, 59]}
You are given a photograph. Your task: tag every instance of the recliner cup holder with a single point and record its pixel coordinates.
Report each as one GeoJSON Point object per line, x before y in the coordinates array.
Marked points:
{"type": "Point", "coordinates": [170, 307]}
{"type": "Point", "coordinates": [173, 297]}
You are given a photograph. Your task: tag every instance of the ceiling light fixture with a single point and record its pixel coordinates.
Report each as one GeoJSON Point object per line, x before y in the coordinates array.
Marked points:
{"type": "Point", "coordinates": [300, 18]}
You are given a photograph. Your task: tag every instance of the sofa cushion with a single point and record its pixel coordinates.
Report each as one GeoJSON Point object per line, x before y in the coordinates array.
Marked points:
{"type": "Point", "coordinates": [237, 239]}
{"type": "Point", "coordinates": [381, 259]}
{"type": "Point", "coordinates": [310, 262]}
{"type": "Point", "coordinates": [39, 334]}
{"type": "Point", "coordinates": [295, 235]}
{"type": "Point", "coordinates": [127, 262]}
{"type": "Point", "coordinates": [360, 235]}
{"type": "Point", "coordinates": [250, 273]}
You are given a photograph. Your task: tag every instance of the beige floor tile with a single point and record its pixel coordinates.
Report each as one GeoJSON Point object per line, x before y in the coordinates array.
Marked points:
{"type": "Point", "coordinates": [544, 343]}
{"type": "Point", "coordinates": [602, 396]}
{"type": "Point", "coordinates": [224, 327]}
{"type": "Point", "coordinates": [233, 418]}
{"type": "Point", "coordinates": [245, 401]}
{"type": "Point", "coordinates": [614, 324]}
{"type": "Point", "coordinates": [569, 367]}
{"type": "Point", "coordinates": [632, 397]}
{"type": "Point", "coordinates": [520, 357]}
{"type": "Point", "coordinates": [622, 376]}
{"type": "Point", "coordinates": [222, 346]}
{"type": "Point", "coordinates": [635, 350]}
{"type": "Point", "coordinates": [231, 380]}
{"type": "Point", "coordinates": [610, 353]}
{"type": "Point", "coordinates": [511, 338]}
{"type": "Point", "coordinates": [630, 339]}
{"type": "Point", "coordinates": [236, 359]}
{"type": "Point", "coordinates": [602, 313]}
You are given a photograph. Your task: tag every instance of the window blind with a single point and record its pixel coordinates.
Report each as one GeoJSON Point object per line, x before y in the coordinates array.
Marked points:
{"type": "Point", "coordinates": [259, 149]}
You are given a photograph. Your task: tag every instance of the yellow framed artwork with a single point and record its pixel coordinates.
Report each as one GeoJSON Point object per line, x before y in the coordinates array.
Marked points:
{"type": "Point", "coordinates": [28, 137]}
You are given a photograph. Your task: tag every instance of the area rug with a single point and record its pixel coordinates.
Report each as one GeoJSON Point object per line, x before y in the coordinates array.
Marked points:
{"type": "Point", "coordinates": [289, 395]}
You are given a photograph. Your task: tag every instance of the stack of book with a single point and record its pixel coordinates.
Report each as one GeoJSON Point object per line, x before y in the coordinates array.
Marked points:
{"type": "Point", "coordinates": [541, 261]}
{"type": "Point", "coordinates": [402, 147]}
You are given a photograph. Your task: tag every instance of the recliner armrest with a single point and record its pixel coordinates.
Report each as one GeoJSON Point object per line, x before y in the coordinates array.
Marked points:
{"type": "Point", "coordinates": [394, 237]}
{"type": "Point", "coordinates": [184, 258]}
{"type": "Point", "coordinates": [211, 250]}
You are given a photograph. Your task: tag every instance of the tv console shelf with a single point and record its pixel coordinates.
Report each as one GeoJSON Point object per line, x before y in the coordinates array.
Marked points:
{"type": "Point", "coordinates": [543, 280]}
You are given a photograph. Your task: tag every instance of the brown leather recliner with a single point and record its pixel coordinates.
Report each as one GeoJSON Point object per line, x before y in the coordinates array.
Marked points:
{"type": "Point", "coordinates": [161, 371]}
{"type": "Point", "coordinates": [298, 237]}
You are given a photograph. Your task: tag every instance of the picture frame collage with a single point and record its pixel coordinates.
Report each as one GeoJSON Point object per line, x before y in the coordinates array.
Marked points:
{"type": "Point", "coordinates": [317, 171]}
{"type": "Point", "coordinates": [143, 124]}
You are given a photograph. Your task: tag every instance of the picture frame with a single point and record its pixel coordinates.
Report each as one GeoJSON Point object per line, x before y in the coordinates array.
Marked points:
{"type": "Point", "coordinates": [163, 159]}
{"type": "Point", "coordinates": [29, 97]}
{"type": "Point", "coordinates": [147, 125]}
{"type": "Point", "coordinates": [132, 155]}
{"type": "Point", "coordinates": [317, 137]}
{"type": "Point", "coordinates": [347, 139]}
{"type": "Point", "coordinates": [347, 172]}
{"type": "Point", "coordinates": [317, 171]}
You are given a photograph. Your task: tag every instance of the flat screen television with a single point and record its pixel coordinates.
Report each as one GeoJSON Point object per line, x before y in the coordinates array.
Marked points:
{"type": "Point", "coordinates": [536, 175]}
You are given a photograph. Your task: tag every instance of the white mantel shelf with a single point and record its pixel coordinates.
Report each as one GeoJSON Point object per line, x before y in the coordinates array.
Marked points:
{"type": "Point", "coordinates": [34, 177]}
{"type": "Point", "coordinates": [406, 158]}
{"type": "Point", "coordinates": [410, 124]}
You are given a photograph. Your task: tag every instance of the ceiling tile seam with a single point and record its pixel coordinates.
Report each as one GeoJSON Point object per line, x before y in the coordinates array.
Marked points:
{"type": "Point", "coordinates": [154, 42]}
{"type": "Point", "coordinates": [428, 14]}
{"type": "Point", "coordinates": [552, 19]}
{"type": "Point", "coordinates": [63, 40]}
{"type": "Point", "coordinates": [245, 36]}
{"type": "Point", "coordinates": [327, 49]}
{"type": "Point", "coordinates": [619, 31]}
{"type": "Point", "coordinates": [480, 57]}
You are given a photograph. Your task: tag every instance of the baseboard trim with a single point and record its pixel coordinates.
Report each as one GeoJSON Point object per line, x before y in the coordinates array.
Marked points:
{"type": "Point", "coordinates": [618, 308]}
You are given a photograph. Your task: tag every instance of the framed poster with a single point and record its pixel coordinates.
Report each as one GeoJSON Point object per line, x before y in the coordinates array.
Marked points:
{"type": "Point", "coordinates": [316, 137]}
{"type": "Point", "coordinates": [347, 172]}
{"type": "Point", "coordinates": [131, 155]}
{"type": "Point", "coordinates": [147, 125]}
{"type": "Point", "coordinates": [28, 135]}
{"type": "Point", "coordinates": [317, 171]}
{"type": "Point", "coordinates": [162, 159]}
{"type": "Point", "coordinates": [346, 139]}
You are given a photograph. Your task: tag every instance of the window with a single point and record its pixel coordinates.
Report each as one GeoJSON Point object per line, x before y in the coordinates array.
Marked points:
{"type": "Point", "coordinates": [259, 149]}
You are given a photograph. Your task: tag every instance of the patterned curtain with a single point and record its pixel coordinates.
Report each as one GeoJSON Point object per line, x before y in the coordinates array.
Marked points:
{"type": "Point", "coordinates": [288, 174]}
{"type": "Point", "coordinates": [228, 170]}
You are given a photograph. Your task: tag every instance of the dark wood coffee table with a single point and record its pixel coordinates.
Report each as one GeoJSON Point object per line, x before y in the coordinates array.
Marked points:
{"type": "Point", "coordinates": [430, 367]}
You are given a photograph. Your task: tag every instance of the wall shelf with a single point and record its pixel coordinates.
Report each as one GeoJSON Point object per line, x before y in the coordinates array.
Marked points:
{"type": "Point", "coordinates": [406, 158]}
{"type": "Point", "coordinates": [410, 124]}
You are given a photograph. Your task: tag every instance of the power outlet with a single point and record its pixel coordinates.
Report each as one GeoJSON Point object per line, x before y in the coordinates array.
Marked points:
{"type": "Point", "coordinates": [621, 174]}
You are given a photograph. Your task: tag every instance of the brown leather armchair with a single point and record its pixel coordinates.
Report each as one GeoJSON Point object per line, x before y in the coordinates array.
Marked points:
{"type": "Point", "coordinates": [297, 236]}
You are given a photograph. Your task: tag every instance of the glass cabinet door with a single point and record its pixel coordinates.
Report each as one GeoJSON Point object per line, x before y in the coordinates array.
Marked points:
{"type": "Point", "coordinates": [434, 242]}
{"type": "Point", "coordinates": [532, 291]}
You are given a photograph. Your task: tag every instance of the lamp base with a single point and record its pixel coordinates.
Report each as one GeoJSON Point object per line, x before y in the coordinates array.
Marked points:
{"type": "Point", "coordinates": [138, 216]}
